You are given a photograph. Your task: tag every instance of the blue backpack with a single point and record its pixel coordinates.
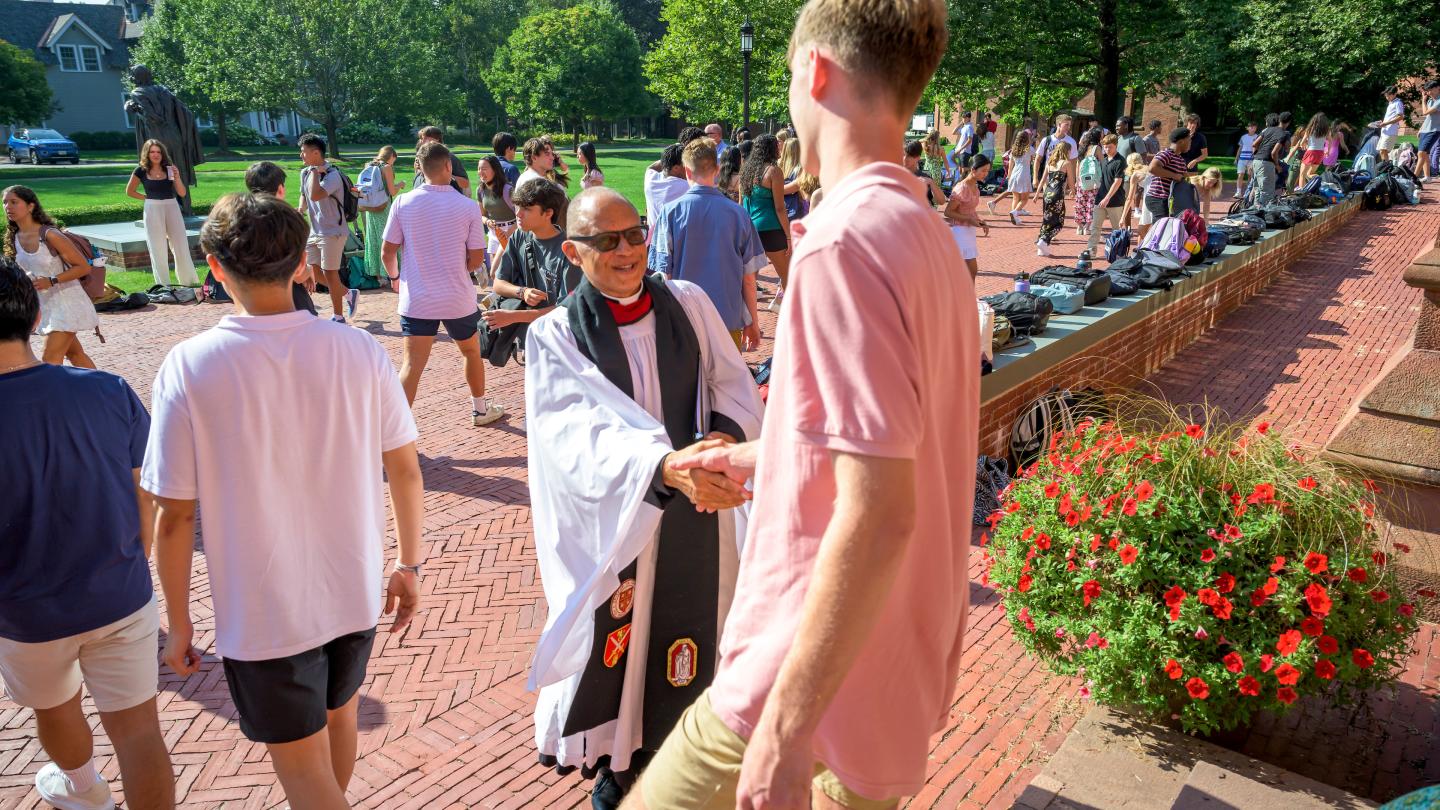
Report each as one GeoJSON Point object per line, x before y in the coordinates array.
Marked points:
{"type": "Point", "coordinates": [1117, 244]}
{"type": "Point", "coordinates": [1216, 241]}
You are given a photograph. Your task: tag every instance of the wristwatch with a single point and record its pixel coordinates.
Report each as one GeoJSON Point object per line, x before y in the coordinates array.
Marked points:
{"type": "Point", "coordinates": [54, 280]}
{"type": "Point", "coordinates": [413, 569]}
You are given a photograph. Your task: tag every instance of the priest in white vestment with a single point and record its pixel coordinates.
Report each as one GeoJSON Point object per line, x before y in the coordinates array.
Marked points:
{"type": "Point", "coordinates": [638, 560]}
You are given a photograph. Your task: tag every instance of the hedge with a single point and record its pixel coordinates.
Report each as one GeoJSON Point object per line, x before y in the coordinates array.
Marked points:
{"type": "Point", "coordinates": [109, 212]}
{"type": "Point", "coordinates": [103, 140]}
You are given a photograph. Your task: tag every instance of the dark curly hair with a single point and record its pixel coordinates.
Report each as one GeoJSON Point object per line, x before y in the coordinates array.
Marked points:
{"type": "Point", "coordinates": [763, 155]}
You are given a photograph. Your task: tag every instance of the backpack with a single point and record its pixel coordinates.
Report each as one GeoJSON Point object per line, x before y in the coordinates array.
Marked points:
{"type": "Point", "coordinates": [1123, 283]}
{"type": "Point", "coordinates": [992, 475]}
{"type": "Point", "coordinates": [1027, 313]}
{"type": "Point", "coordinates": [1055, 411]}
{"type": "Point", "coordinates": [1066, 299]}
{"type": "Point", "coordinates": [1117, 244]}
{"type": "Point", "coordinates": [121, 301]}
{"type": "Point", "coordinates": [1238, 231]}
{"type": "Point", "coordinates": [1195, 235]}
{"type": "Point", "coordinates": [1364, 163]}
{"type": "Point", "coordinates": [1217, 239]}
{"type": "Point", "coordinates": [213, 291]}
{"type": "Point", "coordinates": [93, 282]}
{"type": "Point", "coordinates": [1089, 174]}
{"type": "Point", "coordinates": [349, 203]}
{"type": "Point", "coordinates": [1095, 284]}
{"type": "Point", "coordinates": [1405, 157]}
{"type": "Point", "coordinates": [373, 194]}
{"type": "Point", "coordinates": [1359, 180]}
{"type": "Point", "coordinates": [1168, 234]}
{"type": "Point", "coordinates": [1183, 197]}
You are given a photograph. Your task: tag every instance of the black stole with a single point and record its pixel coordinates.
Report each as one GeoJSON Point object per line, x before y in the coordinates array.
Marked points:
{"type": "Point", "coordinates": [687, 567]}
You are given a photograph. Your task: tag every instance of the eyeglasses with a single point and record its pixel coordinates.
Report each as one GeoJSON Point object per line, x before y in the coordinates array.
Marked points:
{"type": "Point", "coordinates": [606, 241]}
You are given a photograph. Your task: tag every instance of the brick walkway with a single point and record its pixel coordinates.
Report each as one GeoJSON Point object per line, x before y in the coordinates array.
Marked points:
{"type": "Point", "coordinates": [444, 716]}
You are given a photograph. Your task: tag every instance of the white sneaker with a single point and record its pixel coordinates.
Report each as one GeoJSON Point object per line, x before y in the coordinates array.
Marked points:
{"type": "Point", "coordinates": [1042, 248]}
{"type": "Point", "coordinates": [775, 302]}
{"type": "Point", "coordinates": [492, 413]}
{"type": "Point", "coordinates": [55, 788]}
{"type": "Point", "coordinates": [991, 206]}
{"type": "Point", "coordinates": [1014, 218]}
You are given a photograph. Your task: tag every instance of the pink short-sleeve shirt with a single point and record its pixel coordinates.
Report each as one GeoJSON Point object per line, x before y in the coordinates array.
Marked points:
{"type": "Point", "coordinates": [877, 353]}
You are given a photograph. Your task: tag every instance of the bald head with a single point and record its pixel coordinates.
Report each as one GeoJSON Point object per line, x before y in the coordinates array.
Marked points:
{"type": "Point", "coordinates": [597, 209]}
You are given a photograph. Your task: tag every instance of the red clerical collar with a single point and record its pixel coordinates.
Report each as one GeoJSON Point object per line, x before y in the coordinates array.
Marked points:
{"type": "Point", "coordinates": [626, 314]}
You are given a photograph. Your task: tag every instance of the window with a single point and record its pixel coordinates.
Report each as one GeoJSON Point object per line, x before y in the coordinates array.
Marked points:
{"type": "Point", "coordinates": [78, 58]}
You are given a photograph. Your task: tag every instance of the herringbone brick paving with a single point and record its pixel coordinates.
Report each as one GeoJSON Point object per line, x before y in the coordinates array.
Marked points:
{"type": "Point", "coordinates": [445, 719]}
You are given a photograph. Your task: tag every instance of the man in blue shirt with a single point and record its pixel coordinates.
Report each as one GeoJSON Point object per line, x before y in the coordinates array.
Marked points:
{"type": "Point", "coordinates": [505, 145]}
{"type": "Point", "coordinates": [716, 134]}
{"type": "Point", "coordinates": [76, 604]}
{"type": "Point", "coordinates": [704, 238]}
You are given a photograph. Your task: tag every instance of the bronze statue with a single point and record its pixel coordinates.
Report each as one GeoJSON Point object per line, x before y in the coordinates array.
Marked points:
{"type": "Point", "coordinates": [162, 116]}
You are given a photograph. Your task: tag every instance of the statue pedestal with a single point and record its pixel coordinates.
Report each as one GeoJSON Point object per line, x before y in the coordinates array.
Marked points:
{"type": "Point", "coordinates": [1393, 433]}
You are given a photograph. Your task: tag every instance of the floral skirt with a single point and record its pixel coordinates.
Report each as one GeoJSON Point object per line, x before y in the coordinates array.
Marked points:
{"type": "Point", "coordinates": [1053, 215]}
{"type": "Point", "coordinates": [1084, 207]}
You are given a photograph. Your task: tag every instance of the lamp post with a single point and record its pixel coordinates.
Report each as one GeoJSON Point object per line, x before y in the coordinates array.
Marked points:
{"type": "Point", "coordinates": [747, 46]}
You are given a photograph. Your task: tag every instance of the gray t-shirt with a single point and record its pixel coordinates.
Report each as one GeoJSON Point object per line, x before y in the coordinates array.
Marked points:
{"type": "Point", "coordinates": [558, 277]}
{"type": "Point", "coordinates": [326, 218]}
{"type": "Point", "coordinates": [1132, 143]}
{"type": "Point", "coordinates": [1152, 145]}
{"type": "Point", "coordinates": [1430, 121]}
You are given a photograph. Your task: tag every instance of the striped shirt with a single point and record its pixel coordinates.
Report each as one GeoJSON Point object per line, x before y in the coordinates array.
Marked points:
{"type": "Point", "coordinates": [434, 227]}
{"type": "Point", "coordinates": [1160, 186]}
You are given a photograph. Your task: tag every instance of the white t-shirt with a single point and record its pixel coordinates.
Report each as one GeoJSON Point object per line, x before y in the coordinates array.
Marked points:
{"type": "Point", "coordinates": [967, 133]}
{"type": "Point", "coordinates": [276, 424]}
{"type": "Point", "coordinates": [1394, 108]}
{"type": "Point", "coordinates": [661, 190]}
{"type": "Point", "coordinates": [434, 228]}
{"type": "Point", "coordinates": [1051, 141]}
{"type": "Point", "coordinates": [1247, 146]}
{"type": "Point", "coordinates": [528, 175]}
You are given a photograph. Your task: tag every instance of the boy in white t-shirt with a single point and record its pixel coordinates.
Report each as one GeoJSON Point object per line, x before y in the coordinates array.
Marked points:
{"type": "Point", "coordinates": [292, 569]}
{"type": "Point", "coordinates": [1244, 154]}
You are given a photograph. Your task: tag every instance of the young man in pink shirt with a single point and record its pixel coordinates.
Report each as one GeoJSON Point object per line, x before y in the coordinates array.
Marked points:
{"type": "Point", "coordinates": [841, 650]}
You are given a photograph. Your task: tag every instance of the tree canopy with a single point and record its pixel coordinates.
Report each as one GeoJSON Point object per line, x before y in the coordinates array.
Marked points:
{"type": "Point", "coordinates": [27, 97]}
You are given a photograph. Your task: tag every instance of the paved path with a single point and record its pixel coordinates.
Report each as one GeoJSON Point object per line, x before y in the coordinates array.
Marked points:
{"type": "Point", "coordinates": [445, 718]}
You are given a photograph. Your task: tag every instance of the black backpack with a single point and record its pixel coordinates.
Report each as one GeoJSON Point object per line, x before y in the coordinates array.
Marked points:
{"type": "Point", "coordinates": [135, 300]}
{"type": "Point", "coordinates": [349, 202]}
{"type": "Point", "coordinates": [1056, 411]}
{"type": "Point", "coordinates": [1377, 194]}
{"type": "Point", "coordinates": [1122, 283]}
{"type": "Point", "coordinates": [1096, 283]}
{"type": "Point", "coordinates": [1028, 313]}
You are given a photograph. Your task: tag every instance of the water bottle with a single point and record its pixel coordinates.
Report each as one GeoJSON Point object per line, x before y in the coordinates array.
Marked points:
{"type": "Point", "coordinates": [1022, 282]}
{"type": "Point", "coordinates": [1083, 264]}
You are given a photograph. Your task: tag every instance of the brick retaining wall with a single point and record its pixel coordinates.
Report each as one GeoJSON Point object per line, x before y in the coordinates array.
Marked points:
{"type": "Point", "coordinates": [1128, 345]}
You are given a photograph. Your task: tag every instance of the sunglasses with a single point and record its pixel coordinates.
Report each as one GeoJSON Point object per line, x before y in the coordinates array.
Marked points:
{"type": "Point", "coordinates": [606, 241]}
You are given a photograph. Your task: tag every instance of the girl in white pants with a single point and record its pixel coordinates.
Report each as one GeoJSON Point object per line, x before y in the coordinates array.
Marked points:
{"type": "Point", "coordinates": [164, 225]}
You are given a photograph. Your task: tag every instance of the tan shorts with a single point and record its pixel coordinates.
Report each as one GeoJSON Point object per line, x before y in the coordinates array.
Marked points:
{"type": "Point", "coordinates": [325, 251]}
{"type": "Point", "coordinates": [698, 768]}
{"type": "Point", "coordinates": [1387, 142]}
{"type": "Point", "coordinates": [119, 663]}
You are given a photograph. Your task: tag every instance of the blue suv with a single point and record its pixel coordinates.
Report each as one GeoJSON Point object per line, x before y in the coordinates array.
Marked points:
{"type": "Point", "coordinates": [41, 146]}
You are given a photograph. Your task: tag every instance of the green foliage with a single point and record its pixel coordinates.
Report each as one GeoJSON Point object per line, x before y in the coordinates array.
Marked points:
{"type": "Point", "coordinates": [75, 215]}
{"type": "Point", "coordinates": [1198, 572]}
{"type": "Point", "coordinates": [696, 66]}
{"type": "Point", "coordinates": [27, 97]}
{"type": "Point", "coordinates": [473, 29]}
{"type": "Point", "coordinates": [570, 64]}
{"type": "Point", "coordinates": [103, 140]}
{"type": "Point", "coordinates": [235, 135]}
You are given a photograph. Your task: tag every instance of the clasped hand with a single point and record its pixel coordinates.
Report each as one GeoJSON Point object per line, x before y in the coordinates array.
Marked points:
{"type": "Point", "coordinates": [710, 490]}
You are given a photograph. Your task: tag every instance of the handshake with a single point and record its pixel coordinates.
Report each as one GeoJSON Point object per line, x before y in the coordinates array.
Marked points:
{"type": "Point", "coordinates": [712, 472]}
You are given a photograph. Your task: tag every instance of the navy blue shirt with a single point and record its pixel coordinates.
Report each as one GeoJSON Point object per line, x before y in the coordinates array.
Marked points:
{"type": "Point", "coordinates": [70, 554]}
{"type": "Point", "coordinates": [704, 238]}
{"type": "Point", "coordinates": [512, 172]}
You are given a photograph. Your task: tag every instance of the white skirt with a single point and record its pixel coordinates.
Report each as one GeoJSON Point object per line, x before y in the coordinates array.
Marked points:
{"type": "Point", "coordinates": [1020, 178]}
{"type": "Point", "coordinates": [965, 239]}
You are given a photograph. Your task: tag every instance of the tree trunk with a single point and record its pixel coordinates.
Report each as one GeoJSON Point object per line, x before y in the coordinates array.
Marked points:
{"type": "Point", "coordinates": [222, 133]}
{"type": "Point", "coordinates": [1107, 75]}
{"type": "Point", "coordinates": [332, 135]}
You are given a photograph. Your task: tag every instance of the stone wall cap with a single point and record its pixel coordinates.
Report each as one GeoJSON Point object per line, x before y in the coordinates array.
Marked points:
{"type": "Point", "coordinates": [1424, 272]}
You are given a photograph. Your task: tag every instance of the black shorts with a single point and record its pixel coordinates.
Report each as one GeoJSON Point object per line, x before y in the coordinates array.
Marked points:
{"type": "Point", "coordinates": [774, 240]}
{"type": "Point", "coordinates": [1159, 206]}
{"type": "Point", "coordinates": [457, 328]}
{"type": "Point", "coordinates": [284, 700]}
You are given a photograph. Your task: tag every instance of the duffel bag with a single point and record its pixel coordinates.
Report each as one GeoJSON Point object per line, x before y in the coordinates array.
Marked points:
{"type": "Point", "coordinates": [1028, 313]}
{"type": "Point", "coordinates": [1238, 233]}
{"type": "Point", "coordinates": [1123, 283]}
{"type": "Point", "coordinates": [1158, 277]}
{"type": "Point", "coordinates": [1359, 180]}
{"type": "Point", "coordinates": [1066, 299]}
{"type": "Point", "coordinates": [1095, 284]}
{"type": "Point", "coordinates": [1377, 195]}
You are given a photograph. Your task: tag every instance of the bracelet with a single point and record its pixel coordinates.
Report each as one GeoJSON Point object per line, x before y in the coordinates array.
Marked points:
{"type": "Point", "coordinates": [392, 278]}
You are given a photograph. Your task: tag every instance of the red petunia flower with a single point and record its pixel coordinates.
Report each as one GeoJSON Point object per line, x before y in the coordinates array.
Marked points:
{"type": "Point", "coordinates": [1090, 590]}
{"type": "Point", "coordinates": [1207, 596]}
{"type": "Point", "coordinates": [1286, 695]}
{"type": "Point", "coordinates": [1287, 674]}
{"type": "Point", "coordinates": [1197, 688]}
{"type": "Point", "coordinates": [1024, 584]}
{"type": "Point", "coordinates": [1249, 686]}
{"type": "Point", "coordinates": [1195, 431]}
{"type": "Point", "coordinates": [1095, 542]}
{"type": "Point", "coordinates": [1222, 609]}
{"type": "Point", "coordinates": [1378, 557]}
{"type": "Point", "coordinates": [1371, 485]}
{"type": "Point", "coordinates": [1143, 491]}
{"type": "Point", "coordinates": [1318, 599]}
{"type": "Point", "coordinates": [1066, 503]}
{"type": "Point", "coordinates": [1288, 642]}
{"type": "Point", "coordinates": [1317, 563]}
{"type": "Point", "coordinates": [1174, 613]}
{"type": "Point", "coordinates": [1207, 555]}
{"type": "Point", "coordinates": [1362, 658]}
{"type": "Point", "coordinates": [1262, 428]}
{"type": "Point", "coordinates": [1266, 662]}
{"type": "Point", "coordinates": [1380, 596]}
{"type": "Point", "coordinates": [1307, 483]}
{"type": "Point", "coordinates": [1028, 533]}
{"type": "Point", "coordinates": [1113, 543]}
{"type": "Point", "coordinates": [1258, 597]}
{"type": "Point", "coordinates": [1042, 541]}
{"type": "Point", "coordinates": [1225, 583]}
{"type": "Point", "coordinates": [1263, 493]}
{"type": "Point", "coordinates": [1324, 670]}
{"type": "Point", "coordinates": [1234, 662]}
{"type": "Point", "coordinates": [1128, 554]}
{"type": "Point", "coordinates": [1052, 489]}
{"type": "Point", "coordinates": [1175, 595]}
{"type": "Point", "coordinates": [1357, 574]}
{"type": "Point", "coordinates": [1072, 519]}
{"type": "Point", "coordinates": [1277, 565]}
{"type": "Point", "coordinates": [1271, 585]}
{"type": "Point", "coordinates": [1407, 610]}
{"type": "Point", "coordinates": [1232, 533]}
{"type": "Point", "coordinates": [1311, 626]}
{"type": "Point", "coordinates": [1328, 645]}
{"type": "Point", "coordinates": [1128, 507]}
{"type": "Point", "coordinates": [1174, 670]}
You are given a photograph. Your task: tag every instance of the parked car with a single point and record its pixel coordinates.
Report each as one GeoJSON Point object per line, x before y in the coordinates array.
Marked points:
{"type": "Point", "coordinates": [41, 146]}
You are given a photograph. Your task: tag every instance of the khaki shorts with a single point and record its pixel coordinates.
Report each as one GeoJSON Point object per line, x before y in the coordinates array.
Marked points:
{"type": "Point", "coordinates": [1387, 142]}
{"type": "Point", "coordinates": [698, 768]}
{"type": "Point", "coordinates": [325, 251]}
{"type": "Point", "coordinates": [119, 663]}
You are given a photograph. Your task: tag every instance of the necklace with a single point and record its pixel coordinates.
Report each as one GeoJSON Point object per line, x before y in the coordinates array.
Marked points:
{"type": "Point", "coordinates": [24, 365]}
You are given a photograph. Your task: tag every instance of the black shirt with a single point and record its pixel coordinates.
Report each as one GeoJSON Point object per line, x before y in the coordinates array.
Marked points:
{"type": "Point", "coordinates": [1197, 142]}
{"type": "Point", "coordinates": [1269, 137]}
{"type": "Point", "coordinates": [163, 189]}
{"type": "Point", "coordinates": [558, 277]}
{"type": "Point", "coordinates": [1111, 169]}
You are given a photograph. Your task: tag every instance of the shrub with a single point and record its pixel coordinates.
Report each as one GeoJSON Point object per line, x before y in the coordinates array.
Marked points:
{"type": "Point", "coordinates": [1196, 572]}
{"type": "Point", "coordinates": [104, 140]}
{"type": "Point", "coordinates": [107, 212]}
{"type": "Point", "coordinates": [365, 132]}
{"type": "Point", "coordinates": [235, 135]}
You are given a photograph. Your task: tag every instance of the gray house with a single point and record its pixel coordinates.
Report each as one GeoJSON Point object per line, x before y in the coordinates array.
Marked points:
{"type": "Point", "coordinates": [85, 50]}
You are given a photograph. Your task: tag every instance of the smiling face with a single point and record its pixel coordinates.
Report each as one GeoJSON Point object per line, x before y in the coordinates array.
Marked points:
{"type": "Point", "coordinates": [616, 273]}
{"type": "Point", "coordinates": [311, 156]}
{"type": "Point", "coordinates": [487, 174]}
{"type": "Point", "coordinates": [543, 161]}
{"type": "Point", "coordinates": [157, 157]}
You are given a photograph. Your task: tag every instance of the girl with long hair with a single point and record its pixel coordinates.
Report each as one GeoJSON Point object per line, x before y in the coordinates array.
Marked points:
{"type": "Point", "coordinates": [762, 193]}
{"type": "Point", "coordinates": [559, 172]}
{"type": "Point", "coordinates": [1019, 185]}
{"type": "Point", "coordinates": [374, 218]}
{"type": "Point", "coordinates": [1059, 172]}
{"type": "Point", "coordinates": [728, 180]}
{"type": "Point", "coordinates": [164, 223]}
{"type": "Point", "coordinates": [592, 176]}
{"type": "Point", "coordinates": [1317, 136]}
{"type": "Point", "coordinates": [1137, 179]}
{"type": "Point", "coordinates": [1085, 198]}
{"type": "Point", "coordinates": [960, 213]}
{"type": "Point", "coordinates": [56, 266]}
{"type": "Point", "coordinates": [791, 170]}
{"type": "Point", "coordinates": [496, 208]}
{"type": "Point", "coordinates": [1336, 144]}
{"type": "Point", "coordinates": [933, 161]}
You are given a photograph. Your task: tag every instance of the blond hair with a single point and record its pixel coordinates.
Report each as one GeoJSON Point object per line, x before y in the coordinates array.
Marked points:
{"type": "Point", "coordinates": [699, 156]}
{"type": "Point", "coordinates": [790, 156]}
{"type": "Point", "coordinates": [893, 46]}
{"type": "Point", "coordinates": [385, 155]}
{"type": "Point", "coordinates": [1210, 189]}
{"type": "Point", "coordinates": [1059, 153]}
{"type": "Point", "coordinates": [1109, 139]}
{"type": "Point", "coordinates": [145, 155]}
{"type": "Point", "coordinates": [808, 183]}
{"type": "Point", "coordinates": [1134, 164]}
